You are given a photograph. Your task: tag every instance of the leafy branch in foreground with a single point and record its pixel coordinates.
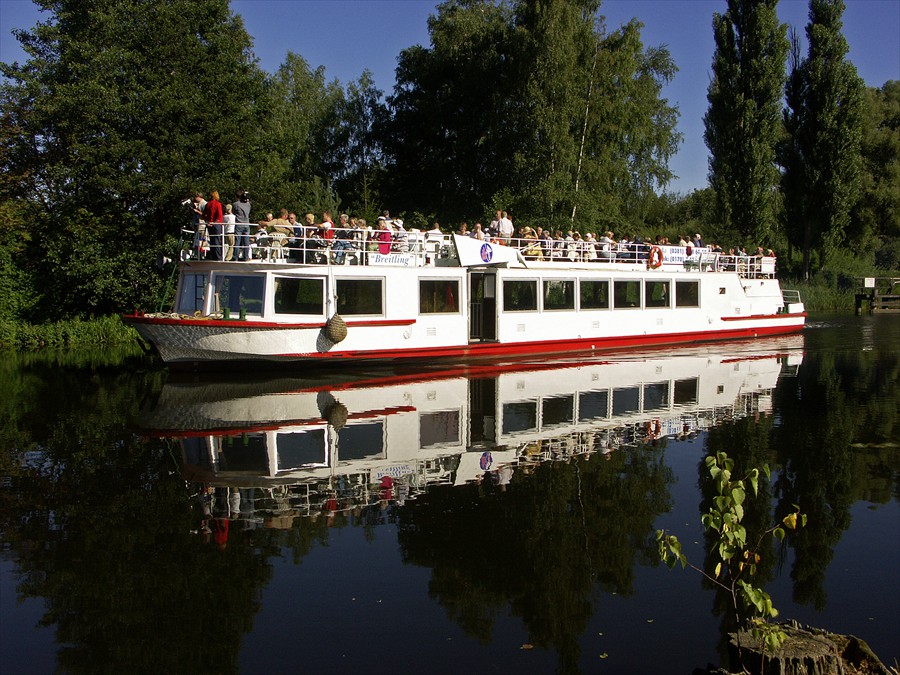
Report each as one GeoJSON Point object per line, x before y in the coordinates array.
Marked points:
{"type": "Point", "coordinates": [737, 560]}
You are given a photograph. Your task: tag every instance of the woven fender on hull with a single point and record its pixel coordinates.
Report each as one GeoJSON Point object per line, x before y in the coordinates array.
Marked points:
{"type": "Point", "coordinates": [336, 328]}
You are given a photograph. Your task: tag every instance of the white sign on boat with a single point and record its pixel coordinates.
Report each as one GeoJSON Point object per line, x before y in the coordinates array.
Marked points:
{"type": "Point", "coordinates": [393, 259]}
{"type": "Point", "coordinates": [394, 471]}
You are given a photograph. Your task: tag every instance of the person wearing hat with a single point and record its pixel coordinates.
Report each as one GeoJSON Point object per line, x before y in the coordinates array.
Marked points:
{"type": "Point", "coordinates": [401, 237]}
{"type": "Point", "coordinates": [698, 241]}
{"type": "Point", "coordinates": [533, 249]}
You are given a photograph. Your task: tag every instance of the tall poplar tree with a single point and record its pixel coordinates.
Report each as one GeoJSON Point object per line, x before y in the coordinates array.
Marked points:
{"type": "Point", "coordinates": [743, 121]}
{"type": "Point", "coordinates": [821, 158]}
{"type": "Point", "coordinates": [122, 108]}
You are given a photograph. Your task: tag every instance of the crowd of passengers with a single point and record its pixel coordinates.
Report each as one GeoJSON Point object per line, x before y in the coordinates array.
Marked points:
{"type": "Point", "coordinates": [224, 233]}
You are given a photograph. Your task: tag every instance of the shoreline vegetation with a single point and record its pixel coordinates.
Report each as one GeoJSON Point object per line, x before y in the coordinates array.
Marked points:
{"type": "Point", "coordinates": [104, 331]}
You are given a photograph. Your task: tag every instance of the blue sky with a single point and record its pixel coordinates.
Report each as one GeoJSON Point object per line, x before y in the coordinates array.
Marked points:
{"type": "Point", "coordinates": [348, 36]}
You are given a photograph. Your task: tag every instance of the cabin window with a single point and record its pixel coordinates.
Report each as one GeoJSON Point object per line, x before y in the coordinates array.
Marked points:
{"type": "Point", "coordinates": [594, 294]}
{"type": "Point", "coordinates": [686, 391]}
{"type": "Point", "coordinates": [559, 294]}
{"type": "Point", "coordinates": [193, 290]}
{"type": "Point", "coordinates": [593, 405]}
{"type": "Point", "coordinates": [439, 428]}
{"type": "Point", "coordinates": [627, 294]}
{"type": "Point", "coordinates": [657, 293]}
{"type": "Point", "coordinates": [557, 410]}
{"type": "Point", "coordinates": [626, 400]}
{"type": "Point", "coordinates": [519, 295]}
{"type": "Point", "coordinates": [244, 453]}
{"type": "Point", "coordinates": [306, 448]}
{"type": "Point", "coordinates": [438, 296]}
{"type": "Point", "coordinates": [299, 295]}
{"type": "Point", "coordinates": [687, 293]}
{"type": "Point", "coordinates": [656, 396]}
{"type": "Point", "coordinates": [238, 293]}
{"type": "Point", "coordinates": [359, 296]}
{"type": "Point", "coordinates": [361, 441]}
{"type": "Point", "coordinates": [519, 416]}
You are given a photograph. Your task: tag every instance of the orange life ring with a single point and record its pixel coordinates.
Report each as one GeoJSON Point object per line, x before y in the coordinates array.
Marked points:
{"type": "Point", "coordinates": [656, 257]}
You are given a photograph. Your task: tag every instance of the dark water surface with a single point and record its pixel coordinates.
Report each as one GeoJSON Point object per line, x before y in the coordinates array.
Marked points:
{"type": "Point", "coordinates": [490, 520]}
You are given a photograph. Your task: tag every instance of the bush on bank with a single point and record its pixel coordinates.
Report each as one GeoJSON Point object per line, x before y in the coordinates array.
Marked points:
{"type": "Point", "coordinates": [106, 330]}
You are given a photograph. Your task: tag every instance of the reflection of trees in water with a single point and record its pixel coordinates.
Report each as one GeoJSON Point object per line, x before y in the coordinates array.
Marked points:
{"type": "Point", "coordinates": [747, 442]}
{"type": "Point", "coordinates": [837, 419]}
{"type": "Point", "coordinates": [541, 547]}
{"type": "Point", "coordinates": [842, 406]}
{"type": "Point", "coordinates": [100, 525]}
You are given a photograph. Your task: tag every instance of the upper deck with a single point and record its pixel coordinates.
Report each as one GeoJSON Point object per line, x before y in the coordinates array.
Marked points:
{"type": "Point", "coordinates": [432, 249]}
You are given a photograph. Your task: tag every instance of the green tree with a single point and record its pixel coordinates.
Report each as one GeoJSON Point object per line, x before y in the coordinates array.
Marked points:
{"type": "Point", "coordinates": [821, 155]}
{"type": "Point", "coordinates": [876, 219]}
{"type": "Point", "coordinates": [742, 122]}
{"type": "Point", "coordinates": [530, 107]}
{"type": "Point", "coordinates": [361, 159]}
{"type": "Point", "coordinates": [447, 147]}
{"type": "Point", "coordinates": [297, 139]}
{"type": "Point", "coordinates": [122, 108]}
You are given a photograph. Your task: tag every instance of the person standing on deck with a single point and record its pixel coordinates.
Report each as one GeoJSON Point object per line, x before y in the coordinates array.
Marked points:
{"type": "Point", "coordinates": [241, 209]}
{"type": "Point", "coordinates": [212, 214]}
{"type": "Point", "coordinates": [229, 221]}
{"type": "Point", "coordinates": [197, 206]}
{"type": "Point", "coordinates": [505, 228]}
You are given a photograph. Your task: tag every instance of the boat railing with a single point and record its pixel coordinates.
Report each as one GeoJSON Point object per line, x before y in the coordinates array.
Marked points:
{"type": "Point", "coordinates": [338, 246]}
{"type": "Point", "coordinates": [413, 248]}
{"type": "Point", "coordinates": [665, 257]}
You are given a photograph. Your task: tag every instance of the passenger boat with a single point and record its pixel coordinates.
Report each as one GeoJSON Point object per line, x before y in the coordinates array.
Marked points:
{"type": "Point", "coordinates": [315, 438]}
{"type": "Point", "coordinates": [455, 296]}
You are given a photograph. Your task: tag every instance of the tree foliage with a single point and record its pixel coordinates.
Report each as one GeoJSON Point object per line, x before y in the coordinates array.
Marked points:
{"type": "Point", "coordinates": [124, 108]}
{"type": "Point", "coordinates": [121, 110]}
{"type": "Point", "coordinates": [530, 107]}
{"type": "Point", "coordinates": [821, 157]}
{"type": "Point", "coordinates": [875, 223]}
{"type": "Point", "coordinates": [743, 120]}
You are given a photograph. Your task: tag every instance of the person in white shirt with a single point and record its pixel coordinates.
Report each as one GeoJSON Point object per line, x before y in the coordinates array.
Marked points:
{"type": "Point", "coordinates": [505, 227]}
{"type": "Point", "coordinates": [229, 220]}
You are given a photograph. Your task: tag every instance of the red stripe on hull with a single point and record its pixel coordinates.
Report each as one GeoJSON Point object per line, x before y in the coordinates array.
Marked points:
{"type": "Point", "coordinates": [477, 350]}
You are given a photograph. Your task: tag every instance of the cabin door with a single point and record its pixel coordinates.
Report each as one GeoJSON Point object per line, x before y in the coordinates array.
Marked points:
{"type": "Point", "coordinates": [482, 306]}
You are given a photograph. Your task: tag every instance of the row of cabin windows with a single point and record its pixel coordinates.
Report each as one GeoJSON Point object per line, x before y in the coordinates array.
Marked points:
{"type": "Point", "coordinates": [598, 404]}
{"type": "Point", "coordinates": [244, 293]}
{"type": "Point", "coordinates": [298, 295]}
{"type": "Point", "coordinates": [521, 295]}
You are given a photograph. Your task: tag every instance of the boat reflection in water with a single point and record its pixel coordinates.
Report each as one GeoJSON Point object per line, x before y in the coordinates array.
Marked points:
{"type": "Point", "coordinates": [278, 449]}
